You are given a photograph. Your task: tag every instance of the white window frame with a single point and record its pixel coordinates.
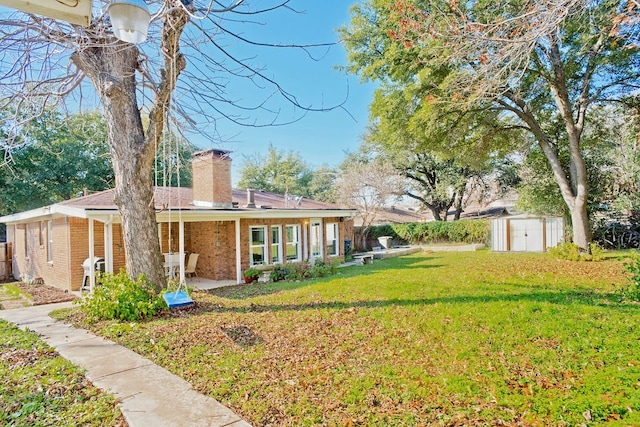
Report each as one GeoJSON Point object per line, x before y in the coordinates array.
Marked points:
{"type": "Point", "coordinates": [50, 241]}
{"type": "Point", "coordinates": [275, 254]}
{"type": "Point", "coordinates": [332, 228]}
{"type": "Point", "coordinates": [264, 245]}
{"type": "Point", "coordinates": [316, 239]}
{"type": "Point", "coordinates": [296, 243]}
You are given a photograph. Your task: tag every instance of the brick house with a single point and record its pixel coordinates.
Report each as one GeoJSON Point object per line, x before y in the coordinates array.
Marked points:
{"type": "Point", "coordinates": [229, 229]}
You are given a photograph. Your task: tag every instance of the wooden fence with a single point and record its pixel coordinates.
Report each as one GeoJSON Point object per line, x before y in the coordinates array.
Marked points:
{"type": "Point", "coordinates": [6, 254]}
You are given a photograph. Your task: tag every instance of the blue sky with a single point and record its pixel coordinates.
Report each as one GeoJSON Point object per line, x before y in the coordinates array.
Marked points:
{"type": "Point", "coordinates": [319, 137]}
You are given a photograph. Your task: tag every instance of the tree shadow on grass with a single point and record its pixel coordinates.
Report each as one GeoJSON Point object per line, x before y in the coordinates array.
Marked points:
{"type": "Point", "coordinates": [586, 298]}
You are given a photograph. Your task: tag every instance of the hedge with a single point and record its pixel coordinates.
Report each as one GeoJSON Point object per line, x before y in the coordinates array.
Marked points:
{"type": "Point", "coordinates": [462, 231]}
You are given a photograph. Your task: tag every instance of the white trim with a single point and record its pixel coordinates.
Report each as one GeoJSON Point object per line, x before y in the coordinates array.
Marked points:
{"type": "Point", "coordinates": [278, 244]}
{"type": "Point", "coordinates": [320, 237]}
{"type": "Point", "coordinates": [239, 277]}
{"type": "Point", "coordinates": [336, 231]}
{"type": "Point", "coordinates": [265, 244]}
{"type": "Point", "coordinates": [194, 215]}
{"type": "Point", "coordinates": [181, 248]}
{"type": "Point", "coordinates": [108, 247]}
{"type": "Point", "coordinates": [92, 264]}
{"type": "Point", "coordinates": [298, 243]}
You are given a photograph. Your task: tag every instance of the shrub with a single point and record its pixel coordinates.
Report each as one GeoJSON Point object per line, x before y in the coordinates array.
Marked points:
{"type": "Point", "coordinates": [279, 272]}
{"type": "Point", "coordinates": [303, 270]}
{"type": "Point", "coordinates": [382, 230]}
{"type": "Point", "coordinates": [572, 252]}
{"type": "Point", "coordinates": [631, 292]}
{"type": "Point", "coordinates": [462, 231]}
{"type": "Point", "coordinates": [322, 269]}
{"type": "Point", "coordinates": [567, 251]}
{"type": "Point", "coordinates": [118, 297]}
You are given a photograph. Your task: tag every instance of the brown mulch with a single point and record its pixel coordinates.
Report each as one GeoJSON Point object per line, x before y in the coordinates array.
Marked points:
{"type": "Point", "coordinates": [45, 294]}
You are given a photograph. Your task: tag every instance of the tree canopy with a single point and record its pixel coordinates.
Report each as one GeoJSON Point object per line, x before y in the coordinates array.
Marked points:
{"type": "Point", "coordinates": [536, 66]}
{"type": "Point", "coordinates": [63, 159]}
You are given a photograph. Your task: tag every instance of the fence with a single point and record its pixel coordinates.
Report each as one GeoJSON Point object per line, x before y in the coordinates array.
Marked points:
{"type": "Point", "coordinates": [6, 255]}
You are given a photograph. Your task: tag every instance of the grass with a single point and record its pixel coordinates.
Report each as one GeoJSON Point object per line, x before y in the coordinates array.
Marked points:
{"type": "Point", "coordinates": [450, 339]}
{"type": "Point", "coordinates": [40, 388]}
{"type": "Point", "coordinates": [12, 296]}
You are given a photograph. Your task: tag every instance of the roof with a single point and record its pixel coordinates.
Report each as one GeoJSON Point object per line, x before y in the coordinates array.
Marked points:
{"type": "Point", "coordinates": [180, 197]}
{"type": "Point", "coordinates": [172, 199]}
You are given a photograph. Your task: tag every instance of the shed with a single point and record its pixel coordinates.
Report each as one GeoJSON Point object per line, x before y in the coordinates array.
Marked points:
{"type": "Point", "coordinates": [526, 233]}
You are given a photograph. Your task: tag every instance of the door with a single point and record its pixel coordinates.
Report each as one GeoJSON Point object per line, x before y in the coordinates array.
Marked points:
{"type": "Point", "coordinates": [315, 239]}
{"type": "Point", "coordinates": [526, 235]}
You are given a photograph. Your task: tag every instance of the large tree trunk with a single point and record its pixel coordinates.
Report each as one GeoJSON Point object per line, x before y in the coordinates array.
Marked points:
{"type": "Point", "coordinates": [581, 226]}
{"type": "Point", "coordinates": [112, 70]}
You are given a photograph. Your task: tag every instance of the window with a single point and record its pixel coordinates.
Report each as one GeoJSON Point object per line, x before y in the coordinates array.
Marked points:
{"type": "Point", "coordinates": [333, 248]}
{"type": "Point", "coordinates": [276, 244]}
{"type": "Point", "coordinates": [293, 243]}
{"type": "Point", "coordinates": [49, 241]}
{"type": "Point", "coordinates": [315, 238]}
{"type": "Point", "coordinates": [42, 233]}
{"type": "Point", "coordinates": [258, 245]}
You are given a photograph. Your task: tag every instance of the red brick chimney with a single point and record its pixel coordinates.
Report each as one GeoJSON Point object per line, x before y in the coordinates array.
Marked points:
{"type": "Point", "coordinates": [212, 178]}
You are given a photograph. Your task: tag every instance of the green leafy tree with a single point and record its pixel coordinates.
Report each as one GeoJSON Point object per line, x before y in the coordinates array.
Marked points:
{"type": "Point", "coordinates": [610, 150]}
{"type": "Point", "coordinates": [62, 159]}
{"type": "Point", "coordinates": [322, 185]}
{"type": "Point", "coordinates": [537, 64]}
{"type": "Point", "coordinates": [446, 162]}
{"type": "Point", "coordinates": [278, 171]}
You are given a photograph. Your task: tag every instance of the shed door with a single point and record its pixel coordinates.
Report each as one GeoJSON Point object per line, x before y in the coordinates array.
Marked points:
{"type": "Point", "coordinates": [526, 235]}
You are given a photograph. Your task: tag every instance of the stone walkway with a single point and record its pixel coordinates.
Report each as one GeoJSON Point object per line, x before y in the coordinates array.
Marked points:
{"type": "Point", "coordinates": [150, 395]}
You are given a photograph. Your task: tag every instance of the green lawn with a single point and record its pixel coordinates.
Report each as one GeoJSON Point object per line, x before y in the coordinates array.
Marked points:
{"type": "Point", "coordinates": [433, 339]}
{"type": "Point", "coordinates": [40, 388]}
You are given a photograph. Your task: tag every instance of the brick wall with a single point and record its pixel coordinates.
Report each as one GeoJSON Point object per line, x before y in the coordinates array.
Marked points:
{"type": "Point", "coordinates": [212, 178]}
{"type": "Point", "coordinates": [215, 242]}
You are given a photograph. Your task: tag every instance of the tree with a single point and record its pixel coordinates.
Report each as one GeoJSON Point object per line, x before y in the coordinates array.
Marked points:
{"type": "Point", "coordinates": [62, 160]}
{"type": "Point", "coordinates": [66, 157]}
{"type": "Point", "coordinates": [444, 162]}
{"type": "Point", "coordinates": [610, 150]}
{"type": "Point", "coordinates": [367, 186]}
{"type": "Point", "coordinates": [287, 173]}
{"type": "Point", "coordinates": [279, 172]}
{"type": "Point", "coordinates": [45, 61]}
{"type": "Point", "coordinates": [537, 63]}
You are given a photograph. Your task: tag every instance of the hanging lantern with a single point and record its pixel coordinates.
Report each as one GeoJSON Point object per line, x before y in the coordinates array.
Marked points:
{"type": "Point", "coordinates": [129, 19]}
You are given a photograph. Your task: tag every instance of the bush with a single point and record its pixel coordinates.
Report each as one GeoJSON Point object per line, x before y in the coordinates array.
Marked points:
{"type": "Point", "coordinates": [118, 297]}
{"type": "Point", "coordinates": [572, 252]}
{"type": "Point", "coordinates": [322, 269]}
{"type": "Point", "coordinates": [567, 251]}
{"type": "Point", "coordinates": [382, 230]}
{"type": "Point", "coordinates": [462, 231]}
{"type": "Point", "coordinates": [303, 270]}
{"type": "Point", "coordinates": [631, 292]}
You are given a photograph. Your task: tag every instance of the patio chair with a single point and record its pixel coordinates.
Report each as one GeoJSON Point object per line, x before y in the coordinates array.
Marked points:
{"type": "Point", "coordinates": [191, 265]}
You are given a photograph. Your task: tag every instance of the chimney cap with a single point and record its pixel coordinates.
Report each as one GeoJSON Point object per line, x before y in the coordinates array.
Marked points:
{"type": "Point", "coordinates": [214, 151]}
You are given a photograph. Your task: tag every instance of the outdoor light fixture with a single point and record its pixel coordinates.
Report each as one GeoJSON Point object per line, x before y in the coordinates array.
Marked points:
{"type": "Point", "coordinates": [129, 19]}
